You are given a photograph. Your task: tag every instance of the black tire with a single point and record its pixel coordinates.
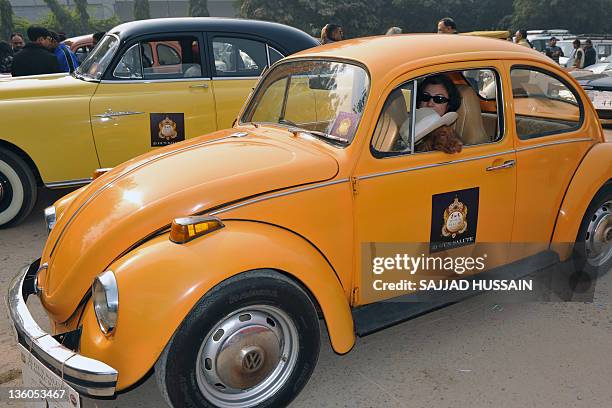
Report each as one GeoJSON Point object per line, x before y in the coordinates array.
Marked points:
{"type": "Point", "coordinates": [17, 189]}
{"type": "Point", "coordinates": [248, 295]}
{"type": "Point", "coordinates": [592, 256]}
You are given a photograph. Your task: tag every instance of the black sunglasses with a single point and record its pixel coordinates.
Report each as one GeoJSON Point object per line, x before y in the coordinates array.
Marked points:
{"type": "Point", "coordinates": [438, 99]}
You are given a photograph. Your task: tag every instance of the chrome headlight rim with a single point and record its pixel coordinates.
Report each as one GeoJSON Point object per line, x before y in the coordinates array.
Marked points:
{"type": "Point", "coordinates": [50, 217]}
{"type": "Point", "coordinates": [105, 300]}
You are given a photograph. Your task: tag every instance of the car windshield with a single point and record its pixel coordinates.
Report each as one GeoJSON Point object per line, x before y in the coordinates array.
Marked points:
{"type": "Point", "coordinates": [96, 63]}
{"type": "Point", "coordinates": [323, 98]}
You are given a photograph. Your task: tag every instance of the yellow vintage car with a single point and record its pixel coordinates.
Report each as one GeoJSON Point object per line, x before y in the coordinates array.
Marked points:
{"type": "Point", "coordinates": [215, 261]}
{"type": "Point", "coordinates": [148, 83]}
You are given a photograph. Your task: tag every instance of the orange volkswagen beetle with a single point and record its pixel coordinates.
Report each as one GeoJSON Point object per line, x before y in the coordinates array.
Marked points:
{"type": "Point", "coordinates": [216, 260]}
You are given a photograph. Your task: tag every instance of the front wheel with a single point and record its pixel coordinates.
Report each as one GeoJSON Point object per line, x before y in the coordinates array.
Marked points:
{"type": "Point", "coordinates": [17, 189]}
{"type": "Point", "coordinates": [251, 341]}
{"type": "Point", "coordinates": [593, 251]}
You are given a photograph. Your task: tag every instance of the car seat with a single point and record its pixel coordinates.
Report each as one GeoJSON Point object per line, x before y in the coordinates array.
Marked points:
{"type": "Point", "coordinates": [469, 125]}
{"type": "Point", "coordinates": [387, 129]}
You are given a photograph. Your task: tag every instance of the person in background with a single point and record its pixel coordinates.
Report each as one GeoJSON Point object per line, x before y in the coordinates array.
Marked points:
{"type": "Point", "coordinates": [66, 59]}
{"type": "Point", "coordinates": [6, 57]}
{"type": "Point", "coordinates": [553, 51]}
{"type": "Point", "coordinates": [35, 58]}
{"type": "Point", "coordinates": [331, 33]}
{"type": "Point", "coordinates": [17, 42]}
{"type": "Point", "coordinates": [576, 58]}
{"type": "Point", "coordinates": [97, 37]}
{"type": "Point", "coordinates": [520, 38]}
{"type": "Point", "coordinates": [393, 31]}
{"type": "Point", "coordinates": [447, 26]}
{"type": "Point", "coordinates": [590, 56]}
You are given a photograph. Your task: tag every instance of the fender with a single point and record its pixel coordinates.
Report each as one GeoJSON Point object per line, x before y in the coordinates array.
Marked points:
{"type": "Point", "coordinates": [160, 281]}
{"type": "Point", "coordinates": [593, 173]}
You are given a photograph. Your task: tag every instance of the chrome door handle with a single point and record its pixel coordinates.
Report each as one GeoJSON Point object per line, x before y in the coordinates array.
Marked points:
{"type": "Point", "coordinates": [199, 86]}
{"type": "Point", "coordinates": [111, 114]}
{"type": "Point", "coordinates": [506, 165]}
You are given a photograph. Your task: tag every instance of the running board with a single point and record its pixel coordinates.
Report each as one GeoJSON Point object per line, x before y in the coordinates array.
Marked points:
{"type": "Point", "coordinates": [373, 317]}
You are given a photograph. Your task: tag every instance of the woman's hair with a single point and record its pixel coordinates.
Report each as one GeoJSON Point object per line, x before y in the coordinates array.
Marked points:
{"type": "Point", "coordinates": [453, 93]}
{"type": "Point", "coordinates": [327, 31]}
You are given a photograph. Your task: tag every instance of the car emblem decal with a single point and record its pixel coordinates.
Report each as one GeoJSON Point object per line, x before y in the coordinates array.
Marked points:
{"type": "Point", "coordinates": [454, 219]}
{"type": "Point", "coordinates": [167, 128]}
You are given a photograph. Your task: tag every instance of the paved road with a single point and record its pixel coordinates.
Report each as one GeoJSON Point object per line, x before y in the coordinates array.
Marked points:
{"type": "Point", "coordinates": [473, 354]}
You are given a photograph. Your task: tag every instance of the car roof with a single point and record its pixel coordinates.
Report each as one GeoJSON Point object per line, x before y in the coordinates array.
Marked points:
{"type": "Point", "coordinates": [382, 53]}
{"type": "Point", "coordinates": [292, 39]}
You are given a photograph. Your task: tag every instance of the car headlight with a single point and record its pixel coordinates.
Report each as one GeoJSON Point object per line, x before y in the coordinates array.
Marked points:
{"type": "Point", "coordinates": [106, 301]}
{"type": "Point", "coordinates": [50, 217]}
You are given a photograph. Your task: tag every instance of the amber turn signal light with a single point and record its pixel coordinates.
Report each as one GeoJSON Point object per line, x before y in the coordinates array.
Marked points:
{"type": "Point", "coordinates": [187, 228]}
{"type": "Point", "coordinates": [98, 172]}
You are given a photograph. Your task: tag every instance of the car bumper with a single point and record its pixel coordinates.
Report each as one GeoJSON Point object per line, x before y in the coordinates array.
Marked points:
{"type": "Point", "coordinates": [87, 376]}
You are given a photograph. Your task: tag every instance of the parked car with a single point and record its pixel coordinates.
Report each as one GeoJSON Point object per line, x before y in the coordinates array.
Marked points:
{"type": "Point", "coordinates": [599, 88]}
{"type": "Point", "coordinates": [148, 83]}
{"type": "Point", "coordinates": [81, 46]}
{"type": "Point", "coordinates": [210, 261]}
{"type": "Point", "coordinates": [540, 38]}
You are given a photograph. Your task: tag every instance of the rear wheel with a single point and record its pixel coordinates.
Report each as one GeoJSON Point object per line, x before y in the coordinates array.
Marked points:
{"type": "Point", "coordinates": [251, 341]}
{"type": "Point", "coordinates": [17, 189]}
{"type": "Point", "coordinates": [593, 251]}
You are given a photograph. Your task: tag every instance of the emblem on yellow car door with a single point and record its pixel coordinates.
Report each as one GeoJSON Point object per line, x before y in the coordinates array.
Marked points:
{"type": "Point", "coordinates": [167, 128]}
{"type": "Point", "coordinates": [455, 219]}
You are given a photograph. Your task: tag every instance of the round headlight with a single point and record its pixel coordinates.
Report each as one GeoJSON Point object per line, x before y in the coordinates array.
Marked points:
{"type": "Point", "coordinates": [105, 298]}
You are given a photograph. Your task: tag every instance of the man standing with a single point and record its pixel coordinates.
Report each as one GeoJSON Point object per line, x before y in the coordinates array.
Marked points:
{"type": "Point", "coordinates": [520, 38]}
{"type": "Point", "coordinates": [447, 26]}
{"type": "Point", "coordinates": [66, 59]}
{"type": "Point", "coordinates": [576, 59]}
{"type": "Point", "coordinates": [17, 42]}
{"type": "Point", "coordinates": [590, 56]}
{"type": "Point", "coordinates": [35, 58]}
{"type": "Point", "coordinates": [554, 52]}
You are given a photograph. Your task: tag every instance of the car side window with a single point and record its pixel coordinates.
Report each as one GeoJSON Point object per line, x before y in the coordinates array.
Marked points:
{"type": "Point", "coordinates": [161, 58]}
{"type": "Point", "coordinates": [445, 111]}
{"type": "Point", "coordinates": [274, 55]}
{"type": "Point", "coordinates": [543, 104]}
{"type": "Point", "coordinates": [239, 57]}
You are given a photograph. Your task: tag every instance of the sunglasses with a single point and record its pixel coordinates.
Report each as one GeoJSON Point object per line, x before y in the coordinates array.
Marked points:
{"type": "Point", "coordinates": [438, 99]}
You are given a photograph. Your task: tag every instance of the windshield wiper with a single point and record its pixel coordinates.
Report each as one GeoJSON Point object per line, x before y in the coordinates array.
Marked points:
{"type": "Point", "coordinates": [328, 136]}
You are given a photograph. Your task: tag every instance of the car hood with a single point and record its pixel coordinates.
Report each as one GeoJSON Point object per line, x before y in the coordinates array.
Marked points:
{"type": "Point", "coordinates": [145, 194]}
{"type": "Point", "coordinates": [56, 85]}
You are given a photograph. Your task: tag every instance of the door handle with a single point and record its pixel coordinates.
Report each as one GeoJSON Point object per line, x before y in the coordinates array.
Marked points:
{"type": "Point", "coordinates": [109, 114]}
{"type": "Point", "coordinates": [198, 86]}
{"type": "Point", "coordinates": [505, 165]}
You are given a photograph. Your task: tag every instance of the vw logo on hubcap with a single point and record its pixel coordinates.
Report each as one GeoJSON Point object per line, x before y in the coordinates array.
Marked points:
{"type": "Point", "coordinates": [252, 360]}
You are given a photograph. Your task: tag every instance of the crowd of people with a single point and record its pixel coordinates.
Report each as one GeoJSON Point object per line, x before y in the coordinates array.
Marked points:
{"type": "Point", "coordinates": [43, 54]}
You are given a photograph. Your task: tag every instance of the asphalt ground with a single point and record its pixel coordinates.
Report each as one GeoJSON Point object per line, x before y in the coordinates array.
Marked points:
{"type": "Point", "coordinates": [477, 353]}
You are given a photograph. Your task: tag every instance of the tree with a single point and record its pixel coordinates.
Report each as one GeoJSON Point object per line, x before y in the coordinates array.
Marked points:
{"type": "Point", "coordinates": [141, 10]}
{"type": "Point", "coordinates": [64, 20]}
{"type": "Point", "coordinates": [82, 15]}
{"type": "Point", "coordinates": [570, 14]}
{"type": "Point", "coordinates": [6, 20]}
{"type": "Point", "coordinates": [198, 8]}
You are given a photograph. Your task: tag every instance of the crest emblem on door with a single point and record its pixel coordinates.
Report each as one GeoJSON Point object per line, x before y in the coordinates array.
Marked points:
{"type": "Point", "coordinates": [454, 219]}
{"type": "Point", "coordinates": [167, 128]}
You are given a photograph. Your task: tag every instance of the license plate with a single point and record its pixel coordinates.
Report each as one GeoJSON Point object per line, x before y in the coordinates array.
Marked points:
{"type": "Point", "coordinates": [601, 99]}
{"type": "Point", "coordinates": [37, 377]}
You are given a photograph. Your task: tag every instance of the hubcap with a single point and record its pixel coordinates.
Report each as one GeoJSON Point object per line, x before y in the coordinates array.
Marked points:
{"type": "Point", "coordinates": [598, 243]}
{"type": "Point", "coordinates": [247, 357]}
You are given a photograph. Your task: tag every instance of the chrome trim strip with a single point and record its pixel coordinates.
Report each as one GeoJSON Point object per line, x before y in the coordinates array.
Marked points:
{"type": "Point", "coordinates": [227, 78]}
{"type": "Point", "coordinates": [69, 183]}
{"type": "Point", "coordinates": [86, 375]}
{"type": "Point", "coordinates": [110, 114]}
{"type": "Point", "coordinates": [428, 166]}
{"type": "Point", "coordinates": [130, 171]}
{"type": "Point", "coordinates": [153, 81]}
{"type": "Point", "coordinates": [556, 142]}
{"type": "Point", "coordinates": [276, 195]}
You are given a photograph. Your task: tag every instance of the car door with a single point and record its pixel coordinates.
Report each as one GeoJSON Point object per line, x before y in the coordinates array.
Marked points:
{"type": "Point", "coordinates": [405, 200]}
{"type": "Point", "coordinates": [236, 63]}
{"type": "Point", "coordinates": [551, 138]}
{"type": "Point", "coordinates": [157, 92]}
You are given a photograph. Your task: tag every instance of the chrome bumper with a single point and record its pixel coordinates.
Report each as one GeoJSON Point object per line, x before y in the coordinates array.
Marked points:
{"type": "Point", "coordinates": [87, 376]}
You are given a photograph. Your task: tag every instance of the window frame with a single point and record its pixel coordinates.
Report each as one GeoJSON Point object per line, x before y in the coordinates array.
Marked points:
{"type": "Point", "coordinates": [238, 75]}
{"type": "Point", "coordinates": [125, 44]}
{"type": "Point", "coordinates": [573, 90]}
{"type": "Point", "coordinates": [501, 116]}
